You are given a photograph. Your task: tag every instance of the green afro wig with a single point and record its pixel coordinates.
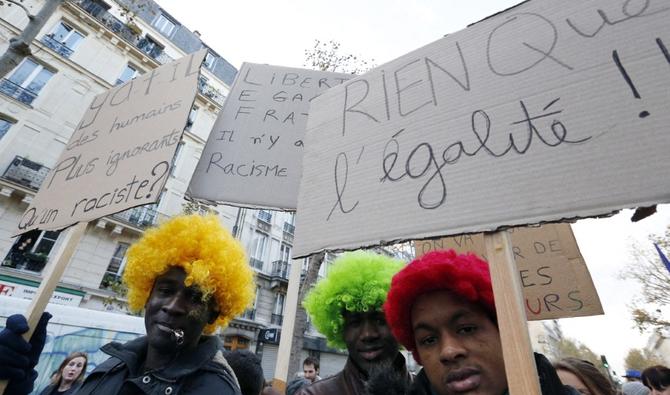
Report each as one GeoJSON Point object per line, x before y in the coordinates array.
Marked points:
{"type": "Point", "coordinates": [212, 259]}
{"type": "Point", "coordinates": [357, 282]}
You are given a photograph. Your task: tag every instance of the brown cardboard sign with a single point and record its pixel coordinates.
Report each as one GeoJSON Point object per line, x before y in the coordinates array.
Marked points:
{"type": "Point", "coordinates": [257, 142]}
{"type": "Point", "coordinates": [556, 282]}
{"type": "Point", "coordinates": [119, 155]}
{"type": "Point", "coordinates": [544, 112]}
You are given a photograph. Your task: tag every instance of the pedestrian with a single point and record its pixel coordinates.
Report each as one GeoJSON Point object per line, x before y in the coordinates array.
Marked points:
{"type": "Point", "coordinates": [68, 377]}
{"type": "Point", "coordinates": [191, 276]}
{"type": "Point", "coordinates": [310, 369]}
{"type": "Point", "coordinates": [248, 370]}
{"type": "Point", "coordinates": [632, 375]}
{"type": "Point", "coordinates": [634, 388]}
{"type": "Point", "coordinates": [441, 308]}
{"type": "Point", "coordinates": [346, 307]}
{"type": "Point", "coordinates": [657, 379]}
{"type": "Point", "coordinates": [584, 377]}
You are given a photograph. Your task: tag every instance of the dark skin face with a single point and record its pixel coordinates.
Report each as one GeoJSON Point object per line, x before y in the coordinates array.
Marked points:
{"type": "Point", "coordinates": [174, 306]}
{"type": "Point", "coordinates": [369, 339]}
{"type": "Point", "coordinates": [459, 345]}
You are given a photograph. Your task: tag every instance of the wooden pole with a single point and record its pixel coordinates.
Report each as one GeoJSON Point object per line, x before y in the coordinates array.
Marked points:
{"type": "Point", "coordinates": [284, 353]}
{"type": "Point", "coordinates": [520, 367]}
{"type": "Point", "coordinates": [50, 280]}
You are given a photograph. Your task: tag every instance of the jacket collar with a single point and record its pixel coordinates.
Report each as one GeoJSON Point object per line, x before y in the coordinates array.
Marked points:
{"type": "Point", "coordinates": [133, 353]}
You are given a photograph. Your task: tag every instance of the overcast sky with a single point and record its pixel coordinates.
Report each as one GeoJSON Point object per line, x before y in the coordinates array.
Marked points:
{"type": "Point", "coordinates": [278, 33]}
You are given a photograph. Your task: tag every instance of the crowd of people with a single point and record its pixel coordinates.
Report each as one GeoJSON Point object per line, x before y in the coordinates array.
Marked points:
{"type": "Point", "coordinates": [190, 277]}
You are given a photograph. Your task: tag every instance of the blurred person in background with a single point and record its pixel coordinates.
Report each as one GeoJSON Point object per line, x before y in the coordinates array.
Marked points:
{"type": "Point", "coordinates": [584, 377]}
{"type": "Point", "coordinates": [69, 375]}
{"type": "Point", "coordinates": [657, 379]}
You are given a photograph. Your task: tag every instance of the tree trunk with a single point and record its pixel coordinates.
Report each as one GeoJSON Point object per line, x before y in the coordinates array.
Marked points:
{"type": "Point", "coordinates": [19, 47]}
{"type": "Point", "coordinates": [295, 362]}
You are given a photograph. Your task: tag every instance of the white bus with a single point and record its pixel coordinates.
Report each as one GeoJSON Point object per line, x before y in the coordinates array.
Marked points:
{"type": "Point", "coordinates": [74, 329]}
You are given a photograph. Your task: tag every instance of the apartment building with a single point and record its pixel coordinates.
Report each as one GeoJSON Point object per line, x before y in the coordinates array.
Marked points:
{"type": "Point", "coordinates": [86, 47]}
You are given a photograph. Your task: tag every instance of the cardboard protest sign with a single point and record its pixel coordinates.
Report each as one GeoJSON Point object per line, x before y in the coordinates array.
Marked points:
{"type": "Point", "coordinates": [556, 282]}
{"type": "Point", "coordinates": [119, 155]}
{"type": "Point", "coordinates": [546, 111]}
{"type": "Point", "coordinates": [257, 142]}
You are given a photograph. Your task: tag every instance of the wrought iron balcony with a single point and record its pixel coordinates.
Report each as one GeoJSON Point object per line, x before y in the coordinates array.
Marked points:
{"type": "Point", "coordinates": [280, 269]}
{"type": "Point", "coordinates": [108, 279]}
{"type": "Point", "coordinates": [277, 319]}
{"type": "Point", "coordinates": [128, 32]}
{"type": "Point", "coordinates": [289, 228]}
{"type": "Point", "coordinates": [26, 172]}
{"type": "Point", "coordinates": [209, 91]}
{"type": "Point", "coordinates": [19, 93]}
{"type": "Point", "coordinates": [249, 314]}
{"type": "Point", "coordinates": [62, 49]}
{"type": "Point", "coordinates": [257, 263]}
{"type": "Point", "coordinates": [265, 216]}
{"type": "Point", "coordinates": [110, 21]}
{"type": "Point", "coordinates": [143, 216]}
{"type": "Point", "coordinates": [25, 261]}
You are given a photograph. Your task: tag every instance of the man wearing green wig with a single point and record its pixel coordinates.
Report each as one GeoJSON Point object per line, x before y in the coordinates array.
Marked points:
{"type": "Point", "coordinates": [346, 307]}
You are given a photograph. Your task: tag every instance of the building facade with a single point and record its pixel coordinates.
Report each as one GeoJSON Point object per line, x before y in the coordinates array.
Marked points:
{"type": "Point", "coordinates": [85, 48]}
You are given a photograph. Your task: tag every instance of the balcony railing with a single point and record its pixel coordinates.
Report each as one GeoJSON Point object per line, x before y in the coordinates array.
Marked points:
{"type": "Point", "coordinates": [265, 216]}
{"type": "Point", "coordinates": [25, 261]}
{"type": "Point", "coordinates": [289, 228]}
{"type": "Point", "coordinates": [249, 314]}
{"type": "Point", "coordinates": [26, 172]}
{"type": "Point", "coordinates": [121, 28]}
{"type": "Point", "coordinates": [209, 91]}
{"type": "Point", "coordinates": [17, 92]}
{"type": "Point", "coordinates": [277, 319]}
{"type": "Point", "coordinates": [109, 279]}
{"type": "Point", "coordinates": [280, 269]}
{"type": "Point", "coordinates": [257, 263]}
{"type": "Point", "coordinates": [142, 216]}
{"type": "Point", "coordinates": [62, 49]}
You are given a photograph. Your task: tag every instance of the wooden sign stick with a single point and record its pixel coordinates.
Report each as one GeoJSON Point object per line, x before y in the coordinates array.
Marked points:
{"type": "Point", "coordinates": [520, 367]}
{"type": "Point", "coordinates": [50, 280]}
{"type": "Point", "coordinates": [291, 309]}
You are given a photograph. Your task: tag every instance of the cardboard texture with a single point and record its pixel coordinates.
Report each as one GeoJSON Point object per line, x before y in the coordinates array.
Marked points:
{"type": "Point", "coordinates": [555, 280]}
{"type": "Point", "coordinates": [253, 156]}
{"type": "Point", "coordinates": [546, 111]}
{"type": "Point", "coordinates": [119, 156]}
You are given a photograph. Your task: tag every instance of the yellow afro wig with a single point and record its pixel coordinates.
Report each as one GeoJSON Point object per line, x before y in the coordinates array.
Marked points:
{"type": "Point", "coordinates": [212, 259]}
{"type": "Point", "coordinates": [357, 282]}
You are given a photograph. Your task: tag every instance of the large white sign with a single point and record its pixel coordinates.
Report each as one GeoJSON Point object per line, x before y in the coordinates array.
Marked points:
{"type": "Point", "coordinates": [119, 155]}
{"type": "Point", "coordinates": [546, 111]}
{"type": "Point", "coordinates": [9, 288]}
{"type": "Point", "coordinates": [253, 156]}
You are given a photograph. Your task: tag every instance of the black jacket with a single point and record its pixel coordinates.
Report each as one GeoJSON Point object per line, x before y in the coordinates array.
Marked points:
{"type": "Point", "coordinates": [550, 384]}
{"type": "Point", "coordinates": [203, 371]}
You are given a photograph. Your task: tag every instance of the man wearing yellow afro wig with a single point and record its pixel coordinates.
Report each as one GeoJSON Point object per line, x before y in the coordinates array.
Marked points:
{"type": "Point", "coordinates": [190, 276]}
{"type": "Point", "coordinates": [346, 307]}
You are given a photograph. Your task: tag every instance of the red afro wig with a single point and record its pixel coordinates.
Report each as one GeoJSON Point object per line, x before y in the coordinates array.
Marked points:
{"type": "Point", "coordinates": [464, 275]}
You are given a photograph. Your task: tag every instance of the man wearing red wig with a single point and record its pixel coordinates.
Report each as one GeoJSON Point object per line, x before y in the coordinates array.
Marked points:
{"type": "Point", "coordinates": [441, 308]}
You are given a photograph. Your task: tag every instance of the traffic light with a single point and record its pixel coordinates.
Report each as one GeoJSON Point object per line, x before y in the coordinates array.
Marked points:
{"type": "Point", "coordinates": [606, 365]}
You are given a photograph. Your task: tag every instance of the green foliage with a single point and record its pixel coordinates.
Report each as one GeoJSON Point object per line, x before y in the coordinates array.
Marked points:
{"type": "Point", "coordinates": [326, 56]}
{"type": "Point", "coordinates": [568, 347]}
{"type": "Point", "coordinates": [641, 359]}
{"type": "Point", "coordinates": [651, 274]}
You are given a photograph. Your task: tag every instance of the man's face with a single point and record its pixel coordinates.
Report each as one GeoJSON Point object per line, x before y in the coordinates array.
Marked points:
{"type": "Point", "coordinates": [368, 338]}
{"type": "Point", "coordinates": [458, 344]}
{"type": "Point", "coordinates": [310, 372]}
{"type": "Point", "coordinates": [172, 306]}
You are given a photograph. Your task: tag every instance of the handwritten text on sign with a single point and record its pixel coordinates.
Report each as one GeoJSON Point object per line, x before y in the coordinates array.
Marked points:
{"type": "Point", "coordinates": [119, 155]}
{"type": "Point", "coordinates": [257, 142]}
{"type": "Point", "coordinates": [555, 280]}
{"type": "Point", "coordinates": [546, 111]}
